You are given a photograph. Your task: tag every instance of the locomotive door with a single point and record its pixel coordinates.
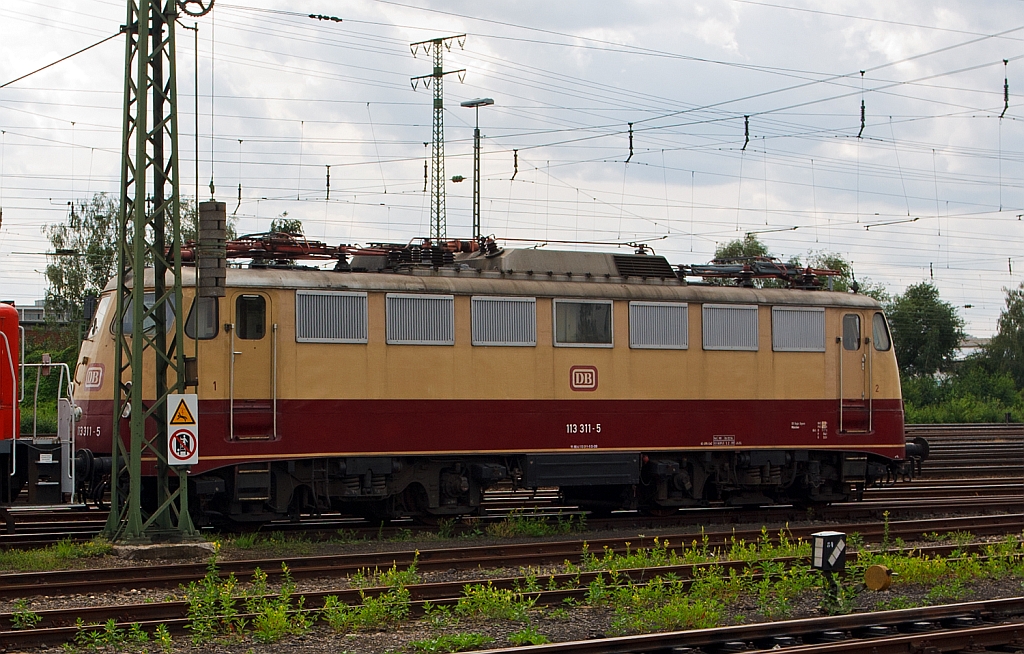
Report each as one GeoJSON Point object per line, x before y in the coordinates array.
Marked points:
{"type": "Point", "coordinates": [854, 370]}
{"type": "Point", "coordinates": [253, 368]}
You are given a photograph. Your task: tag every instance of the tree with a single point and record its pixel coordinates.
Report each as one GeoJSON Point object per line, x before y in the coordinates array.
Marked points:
{"type": "Point", "coordinates": [1005, 353]}
{"type": "Point", "coordinates": [85, 248]}
{"type": "Point", "coordinates": [925, 330]}
{"type": "Point", "coordinates": [844, 281]}
{"type": "Point", "coordinates": [285, 225]}
{"type": "Point", "coordinates": [747, 247]}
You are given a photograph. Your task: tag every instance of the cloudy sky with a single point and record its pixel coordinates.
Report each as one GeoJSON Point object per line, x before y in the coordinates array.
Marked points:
{"type": "Point", "coordinates": [930, 189]}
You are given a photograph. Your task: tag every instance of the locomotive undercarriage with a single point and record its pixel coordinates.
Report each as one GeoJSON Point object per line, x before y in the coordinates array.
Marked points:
{"type": "Point", "coordinates": [759, 477]}
{"type": "Point", "coordinates": [430, 488]}
{"type": "Point", "coordinates": [374, 487]}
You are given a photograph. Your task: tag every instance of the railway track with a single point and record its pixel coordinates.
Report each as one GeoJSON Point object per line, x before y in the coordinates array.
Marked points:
{"type": "Point", "coordinates": [55, 625]}
{"type": "Point", "coordinates": [967, 499]}
{"type": "Point", "coordinates": [988, 456]}
{"type": "Point", "coordinates": [972, 450]}
{"type": "Point", "coordinates": [966, 627]}
{"type": "Point", "coordinates": [24, 584]}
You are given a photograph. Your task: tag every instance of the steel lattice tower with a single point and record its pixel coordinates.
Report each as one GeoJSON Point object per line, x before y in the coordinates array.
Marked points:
{"type": "Point", "coordinates": [438, 216]}
{"type": "Point", "coordinates": [148, 234]}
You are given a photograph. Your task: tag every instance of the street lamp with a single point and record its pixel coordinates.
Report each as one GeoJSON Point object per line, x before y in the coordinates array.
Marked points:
{"type": "Point", "coordinates": [476, 104]}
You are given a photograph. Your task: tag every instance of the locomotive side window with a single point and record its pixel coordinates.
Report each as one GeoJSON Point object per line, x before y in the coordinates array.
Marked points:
{"type": "Point", "coordinates": [203, 319]}
{"type": "Point", "coordinates": [504, 321]}
{"type": "Point", "coordinates": [330, 317]}
{"type": "Point", "coordinates": [880, 333]}
{"type": "Point", "coordinates": [658, 325]}
{"type": "Point", "coordinates": [851, 332]}
{"type": "Point", "coordinates": [798, 329]}
{"type": "Point", "coordinates": [583, 323]}
{"type": "Point", "coordinates": [420, 319]}
{"type": "Point", "coordinates": [250, 317]}
{"type": "Point", "coordinates": [730, 327]}
{"type": "Point", "coordinates": [148, 324]}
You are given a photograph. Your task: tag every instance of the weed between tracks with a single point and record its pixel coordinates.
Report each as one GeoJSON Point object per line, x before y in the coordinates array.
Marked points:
{"type": "Point", "coordinates": [517, 523]}
{"type": "Point", "coordinates": [766, 587]}
{"type": "Point", "coordinates": [59, 555]}
{"type": "Point", "coordinates": [520, 523]}
{"type": "Point", "coordinates": [451, 643]}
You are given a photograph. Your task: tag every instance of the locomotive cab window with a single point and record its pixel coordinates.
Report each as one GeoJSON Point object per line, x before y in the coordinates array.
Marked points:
{"type": "Point", "coordinates": [203, 319]}
{"type": "Point", "coordinates": [148, 323]}
{"type": "Point", "coordinates": [851, 332]}
{"type": "Point", "coordinates": [583, 323]}
{"type": "Point", "coordinates": [100, 317]}
{"type": "Point", "coordinates": [250, 317]}
{"type": "Point", "coordinates": [880, 333]}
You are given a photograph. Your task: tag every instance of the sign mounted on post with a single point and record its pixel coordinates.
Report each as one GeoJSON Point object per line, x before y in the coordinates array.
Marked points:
{"type": "Point", "coordinates": [182, 429]}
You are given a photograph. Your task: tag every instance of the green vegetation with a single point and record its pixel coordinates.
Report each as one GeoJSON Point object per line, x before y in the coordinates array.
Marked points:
{"type": "Point", "coordinates": [88, 239]}
{"type": "Point", "coordinates": [276, 617]}
{"type": "Point", "coordinates": [664, 604]}
{"type": "Point", "coordinates": [519, 523]}
{"type": "Point", "coordinates": [22, 617]}
{"type": "Point", "coordinates": [46, 414]}
{"type": "Point", "coordinates": [772, 575]}
{"type": "Point", "coordinates": [213, 608]}
{"type": "Point", "coordinates": [451, 643]}
{"type": "Point", "coordinates": [486, 601]}
{"type": "Point", "coordinates": [988, 386]}
{"type": "Point", "coordinates": [286, 225]}
{"type": "Point", "coordinates": [528, 636]}
{"type": "Point", "coordinates": [378, 612]}
{"type": "Point", "coordinates": [109, 637]}
{"type": "Point", "coordinates": [969, 393]}
{"type": "Point", "coordinates": [439, 616]}
{"type": "Point", "coordinates": [391, 577]}
{"type": "Point", "coordinates": [925, 330]}
{"type": "Point", "coordinates": [58, 556]}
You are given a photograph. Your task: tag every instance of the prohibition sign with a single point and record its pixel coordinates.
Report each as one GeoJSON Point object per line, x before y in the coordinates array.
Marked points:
{"type": "Point", "coordinates": [181, 448]}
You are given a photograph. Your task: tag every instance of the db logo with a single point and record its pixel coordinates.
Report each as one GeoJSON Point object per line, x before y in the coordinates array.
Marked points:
{"type": "Point", "coordinates": [583, 378]}
{"type": "Point", "coordinates": [94, 376]}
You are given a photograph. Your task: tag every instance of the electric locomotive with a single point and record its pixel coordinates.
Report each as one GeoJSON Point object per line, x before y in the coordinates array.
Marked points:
{"type": "Point", "coordinates": [410, 378]}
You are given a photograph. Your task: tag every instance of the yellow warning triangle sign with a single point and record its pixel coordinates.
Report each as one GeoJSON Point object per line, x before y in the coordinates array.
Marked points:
{"type": "Point", "coordinates": [182, 416]}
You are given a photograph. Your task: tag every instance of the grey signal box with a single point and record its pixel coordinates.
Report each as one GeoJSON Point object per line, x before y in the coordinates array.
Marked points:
{"type": "Point", "coordinates": [829, 553]}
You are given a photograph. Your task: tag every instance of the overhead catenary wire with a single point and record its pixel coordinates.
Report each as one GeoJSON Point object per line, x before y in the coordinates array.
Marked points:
{"type": "Point", "coordinates": [771, 130]}
{"type": "Point", "coordinates": [62, 59]}
{"type": "Point", "coordinates": [376, 149]}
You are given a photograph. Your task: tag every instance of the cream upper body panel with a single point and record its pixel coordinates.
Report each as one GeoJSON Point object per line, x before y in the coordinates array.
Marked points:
{"type": "Point", "coordinates": [377, 370]}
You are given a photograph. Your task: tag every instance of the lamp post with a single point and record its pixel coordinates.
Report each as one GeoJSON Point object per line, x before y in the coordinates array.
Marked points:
{"type": "Point", "coordinates": [476, 104]}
